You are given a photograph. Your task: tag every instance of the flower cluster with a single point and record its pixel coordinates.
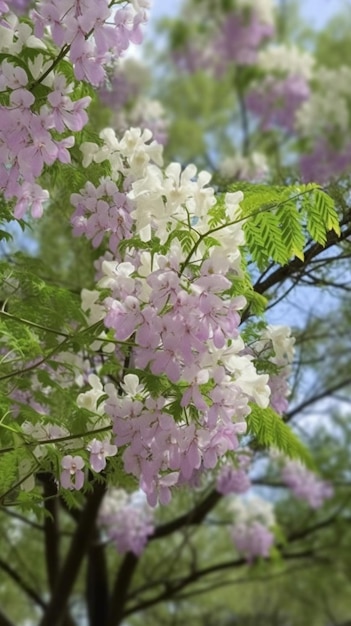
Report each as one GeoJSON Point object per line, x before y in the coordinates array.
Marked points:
{"type": "Point", "coordinates": [127, 521]}
{"type": "Point", "coordinates": [90, 31]}
{"type": "Point", "coordinates": [231, 479]}
{"type": "Point", "coordinates": [35, 135]}
{"type": "Point", "coordinates": [276, 345]}
{"type": "Point", "coordinates": [251, 532]}
{"type": "Point", "coordinates": [176, 310]}
{"type": "Point", "coordinates": [277, 98]}
{"type": "Point", "coordinates": [305, 484]}
{"type": "Point", "coordinates": [234, 37]}
{"type": "Point", "coordinates": [253, 167]}
{"type": "Point", "coordinates": [324, 121]}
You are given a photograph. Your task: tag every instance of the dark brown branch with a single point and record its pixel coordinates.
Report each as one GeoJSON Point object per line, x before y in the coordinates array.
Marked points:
{"type": "Point", "coordinates": [173, 588]}
{"type": "Point", "coordinates": [296, 265]}
{"type": "Point", "coordinates": [80, 543]}
{"type": "Point", "coordinates": [120, 589]}
{"type": "Point", "coordinates": [126, 571]}
{"type": "Point", "coordinates": [97, 583]}
{"type": "Point", "coordinates": [194, 517]}
{"type": "Point", "coordinates": [51, 529]}
{"type": "Point", "coordinates": [316, 397]}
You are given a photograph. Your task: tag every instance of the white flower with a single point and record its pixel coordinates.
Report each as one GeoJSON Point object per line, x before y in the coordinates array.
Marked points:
{"type": "Point", "coordinates": [289, 60]}
{"type": "Point", "coordinates": [25, 38]}
{"type": "Point", "coordinates": [117, 276]}
{"type": "Point", "coordinates": [251, 509]}
{"type": "Point", "coordinates": [131, 385]}
{"type": "Point", "coordinates": [135, 147]}
{"type": "Point", "coordinates": [7, 32]}
{"type": "Point", "coordinates": [282, 342]}
{"type": "Point", "coordinates": [89, 399]}
{"type": "Point", "coordinates": [248, 380]}
{"type": "Point", "coordinates": [93, 310]}
{"type": "Point", "coordinates": [89, 150]}
{"type": "Point", "coordinates": [329, 103]}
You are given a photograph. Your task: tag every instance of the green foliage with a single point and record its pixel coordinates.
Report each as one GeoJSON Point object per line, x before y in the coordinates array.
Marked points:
{"type": "Point", "coordinates": [270, 431]}
{"type": "Point", "coordinates": [279, 220]}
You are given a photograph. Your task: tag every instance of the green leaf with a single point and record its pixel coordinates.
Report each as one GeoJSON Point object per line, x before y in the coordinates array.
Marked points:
{"type": "Point", "coordinates": [291, 231]}
{"type": "Point", "coordinates": [270, 431]}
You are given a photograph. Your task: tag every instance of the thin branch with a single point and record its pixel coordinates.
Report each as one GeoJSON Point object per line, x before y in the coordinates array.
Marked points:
{"type": "Point", "coordinates": [172, 589]}
{"type": "Point", "coordinates": [31, 593]}
{"type": "Point", "coordinates": [296, 265]}
{"type": "Point", "coordinates": [22, 518]}
{"type": "Point", "coordinates": [316, 397]}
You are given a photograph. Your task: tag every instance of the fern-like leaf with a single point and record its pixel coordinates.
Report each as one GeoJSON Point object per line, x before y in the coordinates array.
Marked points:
{"type": "Point", "coordinates": [270, 431]}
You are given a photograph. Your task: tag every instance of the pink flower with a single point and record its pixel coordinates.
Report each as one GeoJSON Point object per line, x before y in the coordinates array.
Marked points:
{"type": "Point", "coordinates": [99, 450]}
{"type": "Point", "coordinates": [306, 485]}
{"type": "Point", "coordinates": [253, 540]}
{"type": "Point", "coordinates": [232, 480]}
{"type": "Point", "coordinates": [30, 195]}
{"type": "Point", "coordinates": [72, 476]}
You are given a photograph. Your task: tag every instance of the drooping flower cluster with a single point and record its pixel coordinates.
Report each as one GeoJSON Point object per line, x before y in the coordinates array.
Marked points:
{"type": "Point", "coordinates": [35, 132]}
{"type": "Point", "coordinates": [277, 339]}
{"type": "Point", "coordinates": [91, 31]}
{"type": "Point", "coordinates": [251, 532]}
{"type": "Point", "coordinates": [233, 37]}
{"type": "Point", "coordinates": [177, 311]}
{"type": "Point", "coordinates": [277, 98]}
{"type": "Point", "coordinates": [306, 485]}
{"type": "Point", "coordinates": [127, 520]}
{"type": "Point", "coordinates": [233, 479]}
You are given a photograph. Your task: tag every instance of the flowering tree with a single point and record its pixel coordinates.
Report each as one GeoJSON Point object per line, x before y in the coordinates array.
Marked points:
{"type": "Point", "coordinates": [147, 398]}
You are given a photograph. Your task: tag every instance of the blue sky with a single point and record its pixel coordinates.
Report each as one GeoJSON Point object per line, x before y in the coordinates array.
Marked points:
{"type": "Point", "coordinates": [316, 11]}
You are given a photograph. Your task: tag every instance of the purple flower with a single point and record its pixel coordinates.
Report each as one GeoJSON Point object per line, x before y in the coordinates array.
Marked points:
{"type": "Point", "coordinates": [306, 485]}
{"type": "Point", "coordinates": [325, 162]}
{"type": "Point", "coordinates": [239, 39]}
{"type": "Point", "coordinates": [99, 450]}
{"type": "Point", "coordinates": [127, 520]}
{"type": "Point", "coordinates": [252, 540]}
{"type": "Point", "coordinates": [232, 480]}
{"type": "Point", "coordinates": [72, 476]}
{"type": "Point", "coordinates": [276, 101]}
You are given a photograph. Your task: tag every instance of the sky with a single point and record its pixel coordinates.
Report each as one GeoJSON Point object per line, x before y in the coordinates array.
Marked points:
{"type": "Point", "coordinates": [315, 11]}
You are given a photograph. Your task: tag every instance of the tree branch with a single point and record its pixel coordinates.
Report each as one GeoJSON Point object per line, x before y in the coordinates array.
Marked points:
{"type": "Point", "coordinates": [281, 274]}
{"type": "Point", "coordinates": [319, 396]}
{"type": "Point", "coordinates": [97, 583]}
{"type": "Point", "coordinates": [118, 597]}
{"type": "Point", "coordinates": [51, 530]}
{"type": "Point", "coordinates": [195, 516]}
{"type": "Point", "coordinates": [172, 589]}
{"type": "Point", "coordinates": [31, 593]}
{"type": "Point", "coordinates": [56, 610]}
